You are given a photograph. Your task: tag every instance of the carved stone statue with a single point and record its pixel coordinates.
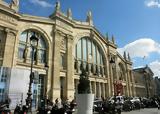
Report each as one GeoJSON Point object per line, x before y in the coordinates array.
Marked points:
{"type": "Point", "coordinates": [58, 6]}
{"type": "Point", "coordinates": [15, 2]}
{"type": "Point", "coordinates": [89, 18]}
{"type": "Point", "coordinates": [69, 13]}
{"type": "Point", "coordinates": [15, 5]}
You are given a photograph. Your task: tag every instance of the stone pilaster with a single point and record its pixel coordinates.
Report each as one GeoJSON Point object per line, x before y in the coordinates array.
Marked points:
{"type": "Point", "coordinates": [91, 86]}
{"type": "Point", "coordinates": [9, 50]}
{"type": "Point", "coordinates": [49, 73]}
{"type": "Point", "coordinates": [99, 90]}
{"type": "Point", "coordinates": [70, 68]}
{"type": "Point", "coordinates": [104, 90]}
{"type": "Point", "coordinates": [55, 89]}
{"type": "Point", "coordinates": [95, 88]}
{"type": "Point", "coordinates": [127, 83]}
{"type": "Point", "coordinates": [110, 82]}
{"type": "Point", "coordinates": [133, 84]}
{"type": "Point", "coordinates": [107, 93]}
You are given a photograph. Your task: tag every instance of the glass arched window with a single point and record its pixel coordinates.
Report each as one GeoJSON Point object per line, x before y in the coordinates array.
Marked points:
{"type": "Point", "coordinates": [24, 49]}
{"type": "Point", "coordinates": [88, 52]}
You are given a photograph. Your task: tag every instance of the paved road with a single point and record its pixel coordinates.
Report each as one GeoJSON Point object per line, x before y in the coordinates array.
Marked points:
{"type": "Point", "coordinates": [144, 111]}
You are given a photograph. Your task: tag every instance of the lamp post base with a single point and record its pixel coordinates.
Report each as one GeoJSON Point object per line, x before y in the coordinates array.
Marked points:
{"type": "Point", "coordinates": [29, 103]}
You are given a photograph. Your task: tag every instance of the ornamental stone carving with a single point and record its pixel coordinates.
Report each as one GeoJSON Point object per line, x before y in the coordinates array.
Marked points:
{"type": "Point", "coordinates": [63, 43]}
{"type": "Point", "coordinates": [15, 5]}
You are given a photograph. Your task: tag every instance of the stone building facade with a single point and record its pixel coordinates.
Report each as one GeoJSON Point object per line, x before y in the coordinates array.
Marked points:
{"type": "Point", "coordinates": [157, 85]}
{"type": "Point", "coordinates": [144, 82]}
{"type": "Point", "coordinates": [65, 45]}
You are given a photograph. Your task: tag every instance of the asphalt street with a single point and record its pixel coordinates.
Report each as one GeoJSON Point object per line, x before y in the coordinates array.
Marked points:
{"type": "Point", "coordinates": [144, 111]}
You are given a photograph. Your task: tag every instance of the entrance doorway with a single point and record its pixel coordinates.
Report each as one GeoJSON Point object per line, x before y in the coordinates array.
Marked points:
{"type": "Point", "coordinates": [38, 91]}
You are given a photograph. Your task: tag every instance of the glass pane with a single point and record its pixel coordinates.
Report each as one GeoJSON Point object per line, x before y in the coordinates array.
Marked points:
{"type": "Point", "coordinates": [98, 56]}
{"type": "Point", "coordinates": [21, 51]}
{"type": "Point", "coordinates": [84, 49]}
{"type": "Point", "coordinates": [30, 33]}
{"type": "Point", "coordinates": [42, 42]}
{"type": "Point", "coordinates": [89, 50]}
{"type": "Point", "coordinates": [79, 52]}
{"type": "Point", "coordinates": [101, 61]}
{"type": "Point", "coordinates": [94, 53]}
{"type": "Point", "coordinates": [30, 52]}
{"type": "Point", "coordinates": [23, 36]}
{"type": "Point", "coordinates": [42, 56]}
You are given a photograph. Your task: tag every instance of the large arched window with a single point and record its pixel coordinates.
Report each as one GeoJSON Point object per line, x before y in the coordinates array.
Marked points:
{"type": "Point", "coordinates": [24, 49]}
{"type": "Point", "coordinates": [88, 54]}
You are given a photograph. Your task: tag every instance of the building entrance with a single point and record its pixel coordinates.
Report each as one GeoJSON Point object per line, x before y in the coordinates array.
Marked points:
{"type": "Point", "coordinates": [38, 91]}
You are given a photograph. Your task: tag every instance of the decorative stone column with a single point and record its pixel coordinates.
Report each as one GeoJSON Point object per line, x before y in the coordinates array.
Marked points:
{"type": "Point", "coordinates": [104, 90]}
{"type": "Point", "coordinates": [99, 90]}
{"type": "Point", "coordinates": [133, 85]}
{"type": "Point", "coordinates": [127, 83]}
{"type": "Point", "coordinates": [109, 75]}
{"type": "Point", "coordinates": [95, 88]}
{"type": "Point", "coordinates": [70, 68]}
{"type": "Point", "coordinates": [55, 89]}
{"type": "Point", "coordinates": [90, 83]}
{"type": "Point", "coordinates": [9, 51]}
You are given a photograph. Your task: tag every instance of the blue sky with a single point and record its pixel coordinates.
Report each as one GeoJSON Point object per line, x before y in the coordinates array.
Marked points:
{"type": "Point", "coordinates": [134, 23]}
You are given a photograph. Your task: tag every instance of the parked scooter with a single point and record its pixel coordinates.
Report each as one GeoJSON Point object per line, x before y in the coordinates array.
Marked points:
{"type": "Point", "coordinates": [4, 109]}
{"type": "Point", "coordinates": [20, 109]}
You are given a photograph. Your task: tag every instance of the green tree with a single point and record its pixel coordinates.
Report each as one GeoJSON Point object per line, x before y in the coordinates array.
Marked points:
{"type": "Point", "coordinates": [84, 83]}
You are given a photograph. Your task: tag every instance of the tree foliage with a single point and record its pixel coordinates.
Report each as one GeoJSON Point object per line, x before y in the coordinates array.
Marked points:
{"type": "Point", "coordinates": [84, 83]}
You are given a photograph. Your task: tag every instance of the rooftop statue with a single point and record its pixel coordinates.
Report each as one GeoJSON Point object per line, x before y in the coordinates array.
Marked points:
{"type": "Point", "coordinates": [58, 6]}
{"type": "Point", "coordinates": [15, 5]}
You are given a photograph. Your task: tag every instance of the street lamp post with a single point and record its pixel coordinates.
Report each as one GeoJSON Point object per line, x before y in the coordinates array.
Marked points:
{"type": "Point", "coordinates": [45, 94]}
{"type": "Point", "coordinates": [34, 43]}
{"type": "Point", "coordinates": [112, 62]}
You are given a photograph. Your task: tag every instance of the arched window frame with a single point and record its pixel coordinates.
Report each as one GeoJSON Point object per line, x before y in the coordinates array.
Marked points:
{"type": "Point", "coordinates": [24, 49]}
{"type": "Point", "coordinates": [92, 49]}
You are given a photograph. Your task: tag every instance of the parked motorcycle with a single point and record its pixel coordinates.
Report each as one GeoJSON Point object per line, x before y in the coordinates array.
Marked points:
{"type": "Point", "coordinates": [4, 109]}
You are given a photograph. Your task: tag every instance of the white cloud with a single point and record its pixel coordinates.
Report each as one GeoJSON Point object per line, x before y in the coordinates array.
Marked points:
{"type": "Point", "coordinates": [42, 3]}
{"type": "Point", "coordinates": [153, 3]}
{"type": "Point", "coordinates": [138, 67]}
{"type": "Point", "coordinates": [155, 67]}
{"type": "Point", "coordinates": [140, 48]}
